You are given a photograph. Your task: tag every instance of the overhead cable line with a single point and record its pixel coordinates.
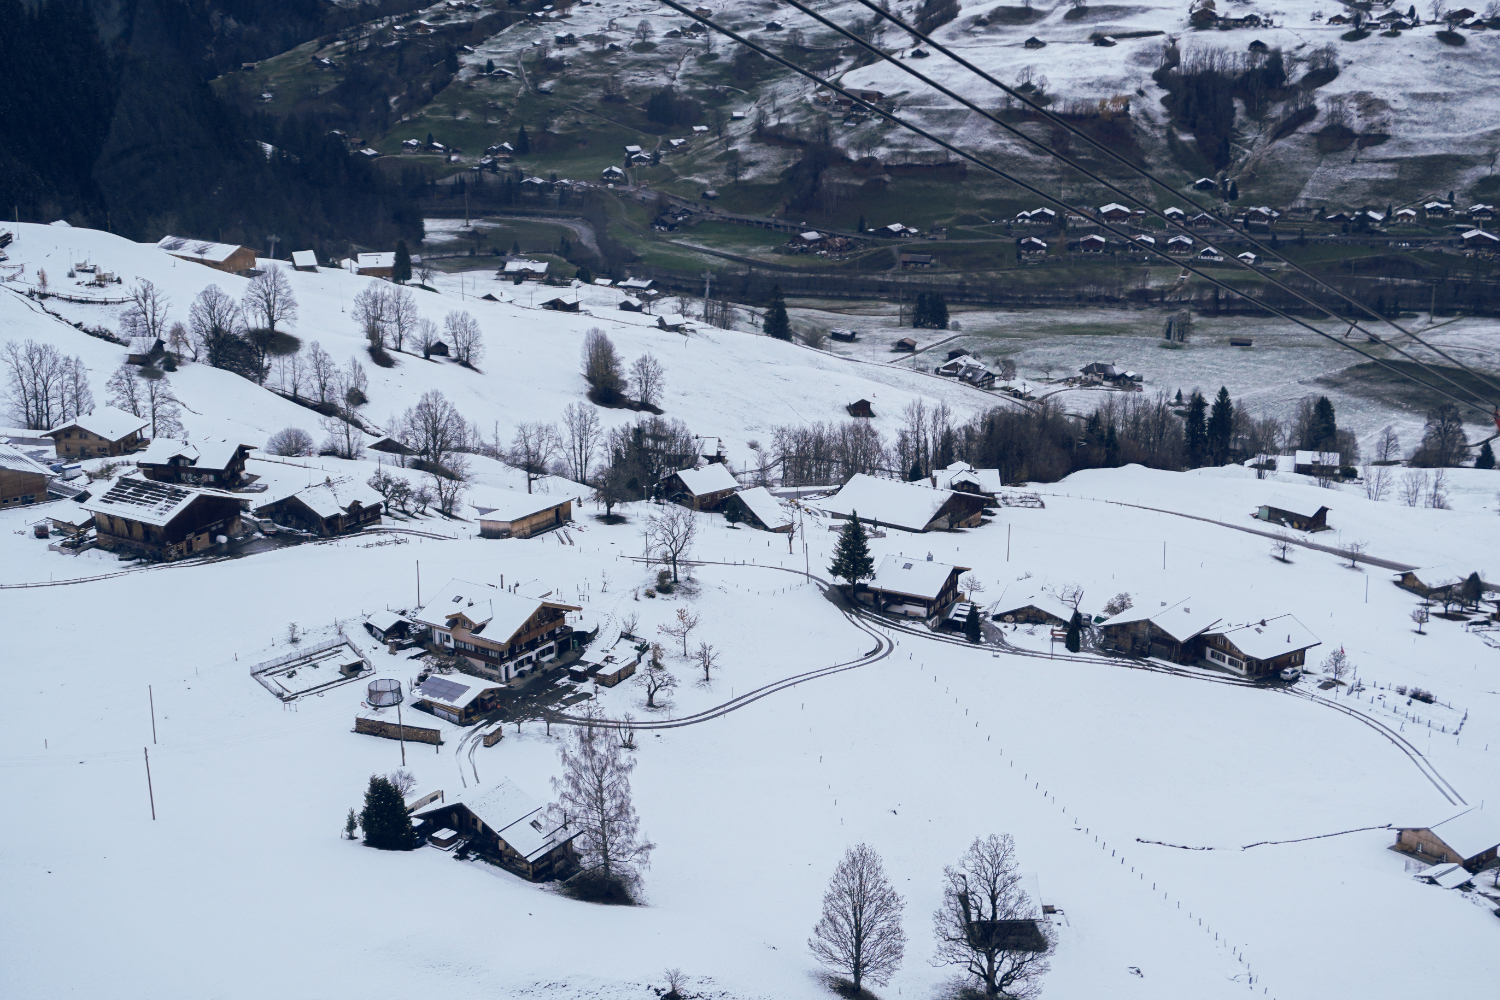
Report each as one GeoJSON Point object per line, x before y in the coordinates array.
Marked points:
{"type": "Point", "coordinates": [985, 164]}
{"type": "Point", "coordinates": [1137, 168]}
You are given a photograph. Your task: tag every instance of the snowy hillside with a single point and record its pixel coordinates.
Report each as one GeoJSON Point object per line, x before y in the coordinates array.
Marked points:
{"type": "Point", "coordinates": [736, 385]}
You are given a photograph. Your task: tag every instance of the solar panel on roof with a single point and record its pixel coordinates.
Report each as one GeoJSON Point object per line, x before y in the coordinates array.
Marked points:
{"type": "Point", "coordinates": [441, 687]}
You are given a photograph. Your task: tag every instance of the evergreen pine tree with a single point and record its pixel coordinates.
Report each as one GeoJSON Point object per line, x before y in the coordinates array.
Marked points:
{"type": "Point", "coordinates": [915, 472]}
{"type": "Point", "coordinates": [515, 248]}
{"type": "Point", "coordinates": [851, 557]}
{"type": "Point", "coordinates": [1220, 427]}
{"type": "Point", "coordinates": [777, 324]}
{"type": "Point", "coordinates": [429, 138]}
{"type": "Point", "coordinates": [401, 272]}
{"type": "Point", "coordinates": [1178, 400]}
{"type": "Point", "coordinates": [385, 820]}
{"type": "Point", "coordinates": [972, 631]}
{"type": "Point", "coordinates": [861, 223]}
{"type": "Point", "coordinates": [1234, 191]}
{"type": "Point", "coordinates": [1485, 459]}
{"type": "Point", "coordinates": [1111, 447]}
{"type": "Point", "coordinates": [351, 824]}
{"type": "Point", "coordinates": [523, 141]}
{"type": "Point", "coordinates": [1074, 641]}
{"type": "Point", "coordinates": [1196, 431]}
{"type": "Point", "coordinates": [585, 275]}
{"type": "Point", "coordinates": [489, 65]}
{"type": "Point", "coordinates": [1322, 431]}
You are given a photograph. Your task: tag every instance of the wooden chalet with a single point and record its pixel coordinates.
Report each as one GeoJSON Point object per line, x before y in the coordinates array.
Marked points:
{"type": "Point", "coordinates": [1317, 463]}
{"type": "Point", "coordinates": [1114, 212]}
{"type": "Point", "coordinates": [1471, 839]}
{"type": "Point", "coordinates": [461, 700]}
{"type": "Point", "coordinates": [513, 514]}
{"type": "Point", "coordinates": [1303, 515]}
{"type": "Point", "coordinates": [961, 477]}
{"type": "Point", "coordinates": [1031, 244]}
{"type": "Point", "coordinates": [1437, 582]}
{"type": "Point", "coordinates": [913, 586]}
{"type": "Point", "coordinates": [908, 506]}
{"type": "Point", "coordinates": [844, 336]}
{"type": "Point", "coordinates": [672, 323]}
{"type": "Point", "coordinates": [104, 432]}
{"type": "Point", "coordinates": [304, 260]}
{"type": "Point", "coordinates": [504, 823]}
{"type": "Point", "coordinates": [904, 344]}
{"type": "Point", "coordinates": [700, 489]}
{"type": "Point", "coordinates": [1173, 633]}
{"type": "Point", "coordinates": [387, 626]}
{"type": "Point", "coordinates": [562, 305]}
{"type": "Point", "coordinates": [631, 304]}
{"type": "Point", "coordinates": [1478, 239]}
{"type": "Point", "coordinates": [23, 481]}
{"type": "Point", "coordinates": [499, 634]}
{"type": "Point", "coordinates": [759, 509]}
{"type": "Point", "coordinates": [1260, 648]}
{"type": "Point", "coordinates": [219, 256]}
{"type": "Point", "coordinates": [217, 463]}
{"type": "Point", "coordinates": [860, 408]}
{"type": "Point", "coordinates": [332, 507]}
{"type": "Point", "coordinates": [161, 521]}
{"type": "Point", "coordinates": [1036, 608]}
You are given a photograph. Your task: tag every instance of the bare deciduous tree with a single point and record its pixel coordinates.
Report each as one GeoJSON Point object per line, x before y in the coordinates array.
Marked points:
{"type": "Point", "coordinates": [532, 449]}
{"type": "Point", "coordinates": [706, 658]}
{"type": "Point", "coordinates": [671, 532]}
{"type": "Point", "coordinates": [372, 305]}
{"type": "Point", "coordinates": [581, 422]}
{"type": "Point", "coordinates": [1354, 550]}
{"type": "Point", "coordinates": [36, 375]}
{"type": "Point", "coordinates": [593, 797]}
{"type": "Point", "coordinates": [1377, 480]}
{"type": "Point", "coordinates": [1388, 448]}
{"type": "Point", "coordinates": [289, 442]}
{"type": "Point", "coordinates": [1337, 664]}
{"type": "Point", "coordinates": [982, 890]}
{"type": "Point", "coordinates": [656, 679]}
{"type": "Point", "coordinates": [345, 439]}
{"type": "Point", "coordinates": [680, 627]}
{"type": "Point", "coordinates": [648, 377]}
{"type": "Point", "coordinates": [321, 372]}
{"type": "Point", "coordinates": [269, 299]}
{"type": "Point", "coordinates": [431, 427]}
{"type": "Point", "coordinates": [1437, 492]}
{"type": "Point", "coordinates": [601, 366]}
{"type": "Point", "coordinates": [1281, 546]}
{"type": "Point", "coordinates": [1413, 488]}
{"type": "Point", "coordinates": [446, 490]}
{"type": "Point", "coordinates": [463, 332]}
{"type": "Point", "coordinates": [403, 318]}
{"type": "Point", "coordinates": [426, 334]}
{"type": "Point", "coordinates": [1421, 616]}
{"type": "Point", "coordinates": [860, 932]}
{"type": "Point", "coordinates": [403, 780]}
{"type": "Point", "coordinates": [151, 305]}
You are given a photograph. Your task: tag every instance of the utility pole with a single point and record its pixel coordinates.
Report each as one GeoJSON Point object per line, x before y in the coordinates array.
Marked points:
{"type": "Point", "coordinates": [152, 698]}
{"type": "Point", "coordinates": [149, 791]}
{"type": "Point", "coordinates": [273, 239]}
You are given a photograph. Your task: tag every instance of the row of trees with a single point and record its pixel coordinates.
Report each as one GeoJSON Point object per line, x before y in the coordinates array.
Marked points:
{"type": "Point", "coordinates": [860, 936]}
{"type": "Point", "coordinates": [610, 382]}
{"type": "Point", "coordinates": [42, 386]}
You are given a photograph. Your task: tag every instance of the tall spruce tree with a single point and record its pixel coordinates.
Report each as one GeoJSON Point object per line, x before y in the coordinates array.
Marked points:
{"type": "Point", "coordinates": [1323, 429]}
{"type": "Point", "coordinates": [972, 630]}
{"type": "Point", "coordinates": [1196, 431]}
{"type": "Point", "coordinates": [386, 823]}
{"type": "Point", "coordinates": [1485, 458]}
{"type": "Point", "coordinates": [401, 271]}
{"type": "Point", "coordinates": [851, 557]}
{"type": "Point", "coordinates": [523, 141]}
{"type": "Point", "coordinates": [777, 324]}
{"type": "Point", "coordinates": [1074, 640]}
{"type": "Point", "coordinates": [1220, 428]}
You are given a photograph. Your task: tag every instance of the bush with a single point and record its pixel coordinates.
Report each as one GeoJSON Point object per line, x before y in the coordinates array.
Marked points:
{"type": "Point", "coordinates": [289, 442]}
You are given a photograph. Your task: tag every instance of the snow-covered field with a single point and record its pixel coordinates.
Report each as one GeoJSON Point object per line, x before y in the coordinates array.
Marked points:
{"type": "Point", "coordinates": [243, 887]}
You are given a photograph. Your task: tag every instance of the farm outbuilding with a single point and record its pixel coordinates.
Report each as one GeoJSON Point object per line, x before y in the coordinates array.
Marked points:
{"type": "Point", "coordinates": [217, 462]}
{"type": "Point", "coordinates": [1472, 839]}
{"type": "Point", "coordinates": [1036, 608]}
{"type": "Point", "coordinates": [513, 514]}
{"type": "Point", "coordinates": [332, 507]}
{"type": "Point", "coordinates": [759, 509]}
{"type": "Point", "coordinates": [510, 826]}
{"type": "Point", "coordinates": [700, 489]}
{"type": "Point", "coordinates": [163, 521]}
{"type": "Point", "coordinates": [860, 408]}
{"type": "Point", "coordinates": [228, 257]}
{"type": "Point", "coordinates": [1304, 515]}
{"type": "Point", "coordinates": [909, 506]}
{"type": "Point", "coordinates": [914, 586]}
{"type": "Point", "coordinates": [459, 700]}
{"type": "Point", "coordinates": [1173, 632]}
{"type": "Point", "coordinates": [22, 480]}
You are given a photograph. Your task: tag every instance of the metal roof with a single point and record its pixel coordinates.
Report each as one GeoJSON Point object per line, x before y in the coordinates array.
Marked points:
{"type": "Point", "coordinates": [15, 461]}
{"type": "Point", "coordinates": [148, 502]}
{"type": "Point", "coordinates": [108, 422]}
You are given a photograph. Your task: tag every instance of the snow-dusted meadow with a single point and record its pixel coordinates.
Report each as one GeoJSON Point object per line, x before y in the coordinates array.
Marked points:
{"type": "Point", "coordinates": [242, 885]}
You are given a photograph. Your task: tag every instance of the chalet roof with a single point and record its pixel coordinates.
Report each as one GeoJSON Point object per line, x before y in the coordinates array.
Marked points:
{"type": "Point", "coordinates": [1268, 638]}
{"type": "Point", "coordinates": [15, 461]}
{"type": "Point", "coordinates": [1294, 505]}
{"type": "Point", "coordinates": [156, 504]}
{"type": "Point", "coordinates": [384, 620]}
{"type": "Point", "coordinates": [525, 267]}
{"type": "Point", "coordinates": [670, 320]}
{"type": "Point", "coordinates": [1178, 620]}
{"type": "Point", "coordinates": [1480, 232]}
{"type": "Point", "coordinates": [1179, 238]}
{"type": "Point", "coordinates": [304, 258]}
{"type": "Point", "coordinates": [1039, 599]}
{"type": "Point", "coordinates": [1113, 206]}
{"type": "Point", "coordinates": [987, 480]}
{"type": "Point", "coordinates": [1318, 458]}
{"type": "Point", "coordinates": [162, 450]}
{"type": "Point", "coordinates": [1471, 832]}
{"type": "Point", "coordinates": [766, 507]}
{"type": "Point", "coordinates": [811, 236]}
{"type": "Point", "coordinates": [199, 250]}
{"type": "Point", "coordinates": [508, 505]}
{"type": "Point", "coordinates": [496, 614]}
{"type": "Point", "coordinates": [904, 505]}
{"type": "Point", "coordinates": [454, 692]}
{"type": "Point", "coordinates": [385, 258]}
{"type": "Point", "coordinates": [912, 576]}
{"type": "Point", "coordinates": [641, 283]}
{"type": "Point", "coordinates": [712, 478]}
{"type": "Point", "coordinates": [515, 816]}
{"type": "Point", "coordinates": [108, 422]}
{"type": "Point", "coordinates": [336, 496]}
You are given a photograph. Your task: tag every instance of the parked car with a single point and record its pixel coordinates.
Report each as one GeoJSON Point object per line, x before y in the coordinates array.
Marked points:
{"type": "Point", "coordinates": [1290, 673]}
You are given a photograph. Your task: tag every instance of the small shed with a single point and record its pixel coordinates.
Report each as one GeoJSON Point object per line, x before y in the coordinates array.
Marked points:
{"type": "Point", "coordinates": [1471, 838]}
{"type": "Point", "coordinates": [1317, 463]}
{"type": "Point", "coordinates": [1034, 43]}
{"type": "Point", "coordinates": [1036, 608]}
{"type": "Point", "coordinates": [304, 260]}
{"type": "Point", "coordinates": [562, 305]}
{"type": "Point", "coordinates": [387, 626]}
{"type": "Point", "coordinates": [700, 489]}
{"type": "Point", "coordinates": [23, 481]}
{"type": "Point", "coordinates": [460, 700]}
{"type": "Point", "coordinates": [672, 322]}
{"type": "Point", "coordinates": [759, 509]}
{"type": "Point", "coordinates": [1304, 515]}
{"type": "Point", "coordinates": [860, 408]}
{"type": "Point", "coordinates": [630, 304]}
{"type": "Point", "coordinates": [904, 344]}
{"type": "Point", "coordinates": [843, 336]}
{"type": "Point", "coordinates": [513, 514]}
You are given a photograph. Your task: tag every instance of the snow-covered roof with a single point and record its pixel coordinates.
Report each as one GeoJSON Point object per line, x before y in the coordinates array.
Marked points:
{"type": "Point", "coordinates": [385, 258]}
{"type": "Point", "coordinates": [987, 480]}
{"type": "Point", "coordinates": [15, 461]}
{"type": "Point", "coordinates": [904, 505]}
{"type": "Point", "coordinates": [162, 450]}
{"type": "Point", "coordinates": [1112, 207]}
{"type": "Point", "coordinates": [384, 620]}
{"type": "Point", "coordinates": [515, 816]}
{"type": "Point", "coordinates": [712, 478]}
{"type": "Point", "coordinates": [811, 236]}
{"type": "Point", "coordinates": [671, 319]}
{"type": "Point", "coordinates": [336, 496]}
{"type": "Point", "coordinates": [636, 283]}
{"type": "Point", "coordinates": [497, 614]}
{"type": "Point", "coordinates": [1039, 599]}
{"type": "Point", "coordinates": [766, 507]}
{"type": "Point", "coordinates": [1293, 505]}
{"type": "Point", "coordinates": [1448, 876]}
{"type": "Point", "coordinates": [912, 576]}
{"type": "Point", "coordinates": [454, 692]}
{"type": "Point", "coordinates": [1471, 832]}
{"type": "Point", "coordinates": [200, 250]}
{"type": "Point", "coordinates": [156, 504]}
{"type": "Point", "coordinates": [1187, 240]}
{"type": "Point", "coordinates": [304, 258]}
{"type": "Point", "coordinates": [1178, 620]}
{"type": "Point", "coordinates": [1481, 232]}
{"type": "Point", "coordinates": [525, 267]}
{"type": "Point", "coordinates": [1318, 458]}
{"type": "Point", "coordinates": [108, 422]}
{"type": "Point", "coordinates": [508, 505]}
{"type": "Point", "coordinates": [1268, 638]}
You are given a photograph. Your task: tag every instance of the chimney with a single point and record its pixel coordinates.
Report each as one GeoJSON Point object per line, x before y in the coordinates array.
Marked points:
{"type": "Point", "coordinates": [929, 557]}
